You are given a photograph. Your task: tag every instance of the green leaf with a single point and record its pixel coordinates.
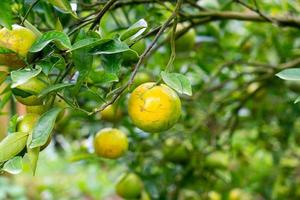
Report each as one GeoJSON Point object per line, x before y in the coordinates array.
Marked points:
{"type": "Point", "coordinates": [110, 47]}
{"type": "Point", "coordinates": [88, 43]}
{"type": "Point", "coordinates": [4, 50]}
{"type": "Point", "coordinates": [100, 77]}
{"type": "Point", "coordinates": [33, 155]}
{"type": "Point", "coordinates": [20, 77]}
{"type": "Point", "coordinates": [12, 144]}
{"type": "Point", "coordinates": [297, 100]}
{"type": "Point", "coordinates": [83, 66]}
{"type": "Point", "coordinates": [54, 88]}
{"type": "Point", "coordinates": [12, 126]}
{"type": "Point", "coordinates": [178, 82]}
{"type": "Point", "coordinates": [63, 6]}
{"type": "Point", "coordinates": [43, 128]}
{"type": "Point", "coordinates": [3, 76]}
{"type": "Point", "coordinates": [14, 165]}
{"type": "Point", "coordinates": [290, 74]}
{"type": "Point", "coordinates": [5, 99]}
{"type": "Point", "coordinates": [135, 30]}
{"type": "Point", "coordinates": [6, 17]}
{"type": "Point", "coordinates": [49, 63]}
{"type": "Point", "coordinates": [31, 27]}
{"type": "Point", "coordinates": [48, 37]}
{"type": "Point", "coordinates": [112, 62]}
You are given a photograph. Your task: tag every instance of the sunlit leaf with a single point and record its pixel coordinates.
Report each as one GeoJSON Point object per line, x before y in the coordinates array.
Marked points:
{"type": "Point", "coordinates": [12, 144]}
{"type": "Point", "coordinates": [51, 36]}
{"type": "Point", "coordinates": [54, 88]}
{"type": "Point", "coordinates": [6, 17]}
{"type": "Point", "coordinates": [14, 165]}
{"type": "Point", "coordinates": [20, 77]}
{"type": "Point", "coordinates": [43, 128]}
{"type": "Point", "coordinates": [178, 82]}
{"type": "Point", "coordinates": [290, 74]}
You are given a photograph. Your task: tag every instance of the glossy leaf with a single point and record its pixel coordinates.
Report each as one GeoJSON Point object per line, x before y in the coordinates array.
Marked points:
{"type": "Point", "coordinates": [135, 30]}
{"type": "Point", "coordinates": [110, 47]}
{"type": "Point", "coordinates": [12, 144]}
{"type": "Point", "coordinates": [33, 155]}
{"type": "Point", "coordinates": [88, 42]}
{"type": "Point", "coordinates": [290, 74]}
{"type": "Point", "coordinates": [178, 82]}
{"type": "Point", "coordinates": [51, 36]}
{"type": "Point", "coordinates": [6, 18]}
{"type": "Point", "coordinates": [99, 77]}
{"type": "Point", "coordinates": [14, 165]}
{"type": "Point", "coordinates": [54, 88]}
{"type": "Point", "coordinates": [63, 6]}
{"type": "Point", "coordinates": [43, 128]}
{"type": "Point", "coordinates": [20, 77]}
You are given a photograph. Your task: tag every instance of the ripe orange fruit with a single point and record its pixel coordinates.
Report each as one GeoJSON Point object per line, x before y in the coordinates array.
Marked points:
{"type": "Point", "coordinates": [28, 92]}
{"type": "Point", "coordinates": [19, 40]}
{"type": "Point", "coordinates": [110, 143]}
{"type": "Point", "coordinates": [111, 113]}
{"type": "Point", "coordinates": [154, 108]}
{"type": "Point", "coordinates": [130, 186]}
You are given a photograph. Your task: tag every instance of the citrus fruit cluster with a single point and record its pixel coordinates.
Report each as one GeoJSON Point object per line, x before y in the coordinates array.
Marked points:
{"type": "Point", "coordinates": [152, 107]}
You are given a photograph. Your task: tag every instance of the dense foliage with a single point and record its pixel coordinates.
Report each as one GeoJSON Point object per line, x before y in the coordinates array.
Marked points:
{"type": "Point", "coordinates": [215, 123]}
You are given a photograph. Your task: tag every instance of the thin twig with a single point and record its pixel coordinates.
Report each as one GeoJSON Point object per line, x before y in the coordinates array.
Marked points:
{"type": "Point", "coordinates": [141, 60]}
{"type": "Point", "coordinates": [256, 9]}
{"type": "Point", "coordinates": [98, 18]}
{"type": "Point", "coordinates": [28, 11]}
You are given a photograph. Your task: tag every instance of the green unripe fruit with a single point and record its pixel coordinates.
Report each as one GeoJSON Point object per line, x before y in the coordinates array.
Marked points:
{"type": "Point", "coordinates": [129, 186]}
{"type": "Point", "coordinates": [27, 93]}
{"type": "Point", "coordinates": [186, 41]}
{"type": "Point", "coordinates": [130, 57]}
{"type": "Point", "coordinates": [26, 124]}
{"type": "Point", "coordinates": [176, 150]}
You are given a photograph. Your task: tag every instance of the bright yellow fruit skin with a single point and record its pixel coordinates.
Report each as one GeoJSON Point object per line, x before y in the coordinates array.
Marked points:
{"type": "Point", "coordinates": [111, 113]}
{"type": "Point", "coordinates": [130, 186]}
{"type": "Point", "coordinates": [110, 143]}
{"type": "Point", "coordinates": [154, 108]}
{"type": "Point", "coordinates": [33, 86]}
{"type": "Point", "coordinates": [19, 40]}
